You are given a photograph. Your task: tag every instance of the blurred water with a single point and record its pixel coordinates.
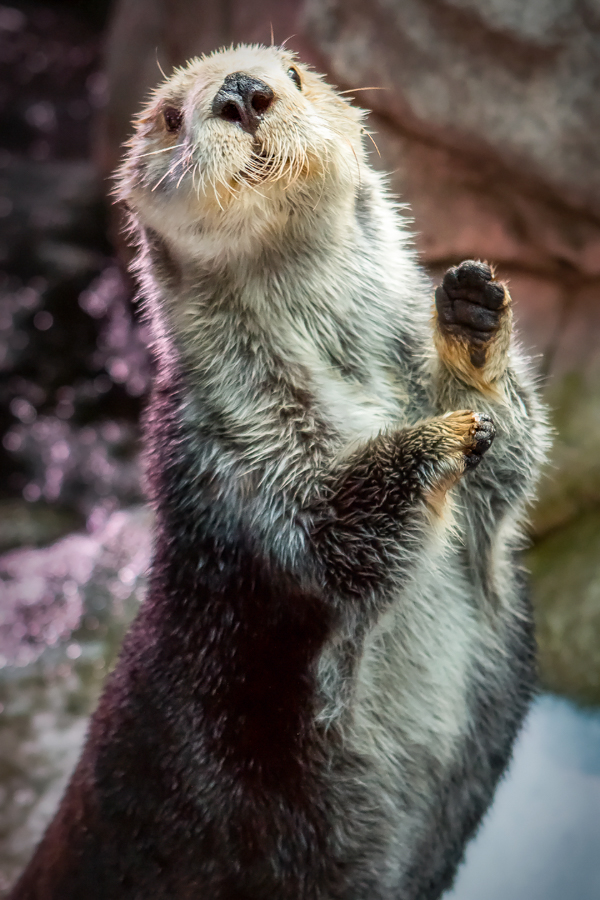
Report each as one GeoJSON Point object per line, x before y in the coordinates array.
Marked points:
{"type": "Point", "coordinates": [541, 839]}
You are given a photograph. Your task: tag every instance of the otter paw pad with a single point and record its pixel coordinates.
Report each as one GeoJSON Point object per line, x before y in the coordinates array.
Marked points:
{"type": "Point", "coordinates": [482, 435]}
{"type": "Point", "coordinates": [473, 432]}
{"type": "Point", "coordinates": [470, 305]}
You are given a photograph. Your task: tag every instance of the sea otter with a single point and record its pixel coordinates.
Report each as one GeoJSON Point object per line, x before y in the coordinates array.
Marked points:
{"type": "Point", "coordinates": [324, 683]}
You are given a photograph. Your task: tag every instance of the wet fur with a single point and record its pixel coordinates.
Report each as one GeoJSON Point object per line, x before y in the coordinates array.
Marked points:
{"type": "Point", "coordinates": [323, 686]}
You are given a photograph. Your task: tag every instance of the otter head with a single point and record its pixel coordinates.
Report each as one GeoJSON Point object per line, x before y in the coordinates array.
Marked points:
{"type": "Point", "coordinates": [238, 146]}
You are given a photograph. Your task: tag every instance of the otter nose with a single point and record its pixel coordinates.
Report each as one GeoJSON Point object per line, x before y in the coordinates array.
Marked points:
{"type": "Point", "coordinates": [243, 100]}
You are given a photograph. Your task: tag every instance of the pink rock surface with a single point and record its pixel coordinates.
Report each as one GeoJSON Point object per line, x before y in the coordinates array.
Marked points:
{"type": "Point", "coordinates": [46, 591]}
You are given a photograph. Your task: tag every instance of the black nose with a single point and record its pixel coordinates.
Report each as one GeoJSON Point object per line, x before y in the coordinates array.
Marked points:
{"type": "Point", "coordinates": [244, 100]}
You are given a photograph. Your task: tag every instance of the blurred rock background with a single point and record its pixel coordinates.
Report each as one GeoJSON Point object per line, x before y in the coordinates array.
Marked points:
{"type": "Point", "coordinates": [485, 113]}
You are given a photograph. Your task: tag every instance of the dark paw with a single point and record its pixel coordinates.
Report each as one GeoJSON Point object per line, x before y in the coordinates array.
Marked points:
{"type": "Point", "coordinates": [470, 304]}
{"type": "Point", "coordinates": [481, 440]}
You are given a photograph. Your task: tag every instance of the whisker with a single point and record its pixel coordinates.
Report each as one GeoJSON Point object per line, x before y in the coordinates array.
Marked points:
{"type": "Point", "coordinates": [158, 64]}
{"type": "Point", "coordinates": [256, 191]}
{"type": "Point", "coordinates": [243, 183]}
{"type": "Point", "coordinates": [234, 194]}
{"type": "Point", "coordinates": [355, 90]}
{"type": "Point", "coordinates": [167, 173]}
{"type": "Point", "coordinates": [170, 170]}
{"type": "Point", "coordinates": [279, 170]}
{"type": "Point", "coordinates": [357, 162]}
{"type": "Point", "coordinates": [322, 178]}
{"type": "Point", "coordinates": [216, 193]}
{"type": "Point", "coordinates": [371, 138]}
{"type": "Point", "coordinates": [182, 176]}
{"type": "Point", "coordinates": [293, 170]}
{"type": "Point", "coordinates": [302, 164]}
{"type": "Point", "coordinates": [295, 176]}
{"type": "Point", "coordinates": [154, 152]}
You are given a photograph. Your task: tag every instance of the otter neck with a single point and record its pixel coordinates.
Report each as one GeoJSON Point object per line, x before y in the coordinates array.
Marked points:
{"type": "Point", "coordinates": [261, 282]}
{"type": "Point", "coordinates": [255, 230]}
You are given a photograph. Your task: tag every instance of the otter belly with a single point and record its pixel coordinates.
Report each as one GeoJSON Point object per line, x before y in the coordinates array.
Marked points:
{"type": "Point", "coordinates": [419, 762]}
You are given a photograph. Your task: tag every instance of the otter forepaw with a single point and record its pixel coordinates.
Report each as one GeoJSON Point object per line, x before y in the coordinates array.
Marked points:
{"type": "Point", "coordinates": [472, 434]}
{"type": "Point", "coordinates": [481, 439]}
{"type": "Point", "coordinates": [452, 444]}
{"type": "Point", "coordinates": [471, 306]}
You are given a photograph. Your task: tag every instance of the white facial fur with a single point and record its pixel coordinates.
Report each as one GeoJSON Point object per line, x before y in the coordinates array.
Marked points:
{"type": "Point", "coordinates": [205, 190]}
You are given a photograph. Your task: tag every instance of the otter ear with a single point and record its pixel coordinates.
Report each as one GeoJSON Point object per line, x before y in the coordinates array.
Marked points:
{"type": "Point", "coordinates": [173, 118]}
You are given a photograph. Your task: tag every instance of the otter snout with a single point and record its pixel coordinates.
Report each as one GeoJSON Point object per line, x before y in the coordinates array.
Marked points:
{"type": "Point", "coordinates": [243, 100]}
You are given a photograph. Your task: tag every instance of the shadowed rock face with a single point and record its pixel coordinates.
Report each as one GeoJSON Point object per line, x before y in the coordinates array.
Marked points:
{"type": "Point", "coordinates": [515, 82]}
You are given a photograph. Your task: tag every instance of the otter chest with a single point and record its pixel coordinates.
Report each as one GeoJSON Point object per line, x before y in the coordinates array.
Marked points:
{"type": "Point", "coordinates": [358, 411]}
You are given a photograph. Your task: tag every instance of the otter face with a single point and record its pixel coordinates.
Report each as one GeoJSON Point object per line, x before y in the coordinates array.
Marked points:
{"type": "Point", "coordinates": [234, 144]}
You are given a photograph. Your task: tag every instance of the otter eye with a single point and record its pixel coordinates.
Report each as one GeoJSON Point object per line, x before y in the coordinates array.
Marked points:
{"type": "Point", "coordinates": [295, 76]}
{"type": "Point", "coordinates": [173, 118]}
